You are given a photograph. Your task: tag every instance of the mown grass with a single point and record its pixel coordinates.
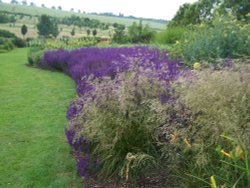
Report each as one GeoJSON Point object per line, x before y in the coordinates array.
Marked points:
{"type": "Point", "coordinates": [33, 148]}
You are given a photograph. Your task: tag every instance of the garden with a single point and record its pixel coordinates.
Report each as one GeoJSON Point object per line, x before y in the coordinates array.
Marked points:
{"type": "Point", "coordinates": [146, 108]}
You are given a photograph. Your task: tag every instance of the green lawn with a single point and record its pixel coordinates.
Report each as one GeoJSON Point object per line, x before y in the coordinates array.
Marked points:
{"type": "Point", "coordinates": [33, 147]}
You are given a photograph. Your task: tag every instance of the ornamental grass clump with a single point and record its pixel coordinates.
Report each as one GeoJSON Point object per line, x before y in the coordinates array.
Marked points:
{"type": "Point", "coordinates": [124, 116]}
{"type": "Point", "coordinates": [219, 101]}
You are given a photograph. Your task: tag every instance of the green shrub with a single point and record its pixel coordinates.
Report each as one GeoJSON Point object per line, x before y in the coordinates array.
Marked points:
{"type": "Point", "coordinates": [18, 42]}
{"type": "Point", "coordinates": [139, 33]}
{"type": "Point", "coordinates": [170, 35]}
{"type": "Point", "coordinates": [6, 44]}
{"type": "Point", "coordinates": [6, 34]}
{"type": "Point", "coordinates": [63, 43]}
{"type": "Point", "coordinates": [225, 37]}
{"type": "Point", "coordinates": [34, 56]}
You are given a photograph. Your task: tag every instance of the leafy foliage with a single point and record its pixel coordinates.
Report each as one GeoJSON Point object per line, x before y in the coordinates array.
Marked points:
{"type": "Point", "coordinates": [35, 55]}
{"type": "Point", "coordinates": [4, 18]}
{"type": "Point", "coordinates": [119, 35]}
{"type": "Point", "coordinates": [137, 33]}
{"type": "Point", "coordinates": [203, 10]}
{"type": "Point", "coordinates": [170, 36]}
{"type": "Point", "coordinates": [47, 26]}
{"type": "Point", "coordinates": [5, 45]}
{"type": "Point", "coordinates": [7, 34]}
{"type": "Point", "coordinates": [225, 37]}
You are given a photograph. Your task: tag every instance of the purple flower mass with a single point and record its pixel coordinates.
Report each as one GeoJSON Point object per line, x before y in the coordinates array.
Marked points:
{"type": "Point", "coordinates": [100, 62]}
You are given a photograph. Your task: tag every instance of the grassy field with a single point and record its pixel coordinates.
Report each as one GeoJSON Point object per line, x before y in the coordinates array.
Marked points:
{"type": "Point", "coordinates": [60, 13]}
{"type": "Point", "coordinates": [33, 103]}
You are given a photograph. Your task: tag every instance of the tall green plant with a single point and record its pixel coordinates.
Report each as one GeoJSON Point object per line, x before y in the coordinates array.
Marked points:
{"type": "Point", "coordinates": [170, 36]}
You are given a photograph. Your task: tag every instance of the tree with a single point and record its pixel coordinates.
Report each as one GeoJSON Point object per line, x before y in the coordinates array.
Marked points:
{"type": "Point", "coordinates": [24, 30]}
{"type": "Point", "coordinates": [119, 35]}
{"type": "Point", "coordinates": [203, 10]}
{"type": "Point", "coordinates": [239, 8]}
{"type": "Point", "coordinates": [137, 33]}
{"type": "Point", "coordinates": [47, 26]}
{"type": "Point", "coordinates": [94, 32]}
{"type": "Point", "coordinates": [88, 32]}
{"type": "Point", "coordinates": [14, 2]}
{"type": "Point", "coordinates": [59, 8]}
{"type": "Point", "coordinates": [32, 4]}
{"type": "Point", "coordinates": [73, 32]}
{"type": "Point", "coordinates": [187, 14]}
{"type": "Point", "coordinates": [43, 5]}
{"type": "Point", "coordinates": [13, 19]}
{"type": "Point", "coordinates": [24, 2]}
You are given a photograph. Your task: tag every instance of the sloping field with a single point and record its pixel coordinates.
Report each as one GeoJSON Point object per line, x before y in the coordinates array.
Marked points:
{"type": "Point", "coordinates": [32, 10]}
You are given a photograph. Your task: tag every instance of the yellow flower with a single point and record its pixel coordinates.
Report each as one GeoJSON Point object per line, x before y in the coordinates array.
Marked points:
{"type": "Point", "coordinates": [225, 153]}
{"type": "Point", "coordinates": [173, 137]}
{"type": "Point", "coordinates": [187, 143]}
{"type": "Point", "coordinates": [213, 182]}
{"type": "Point", "coordinates": [239, 153]}
{"type": "Point", "coordinates": [130, 157]}
{"type": "Point", "coordinates": [196, 65]}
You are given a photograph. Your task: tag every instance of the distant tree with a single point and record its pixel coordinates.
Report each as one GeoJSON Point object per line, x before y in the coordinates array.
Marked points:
{"type": "Point", "coordinates": [94, 32]}
{"type": "Point", "coordinates": [59, 8]}
{"type": "Point", "coordinates": [73, 32]}
{"type": "Point", "coordinates": [14, 2]}
{"type": "Point", "coordinates": [53, 7]}
{"type": "Point", "coordinates": [72, 9]}
{"type": "Point", "coordinates": [13, 19]}
{"type": "Point", "coordinates": [88, 32]}
{"type": "Point", "coordinates": [24, 2]}
{"type": "Point", "coordinates": [4, 18]}
{"type": "Point", "coordinates": [32, 4]}
{"type": "Point", "coordinates": [24, 30]}
{"type": "Point", "coordinates": [43, 5]}
{"type": "Point", "coordinates": [47, 26]}
{"type": "Point", "coordinates": [137, 33]}
{"type": "Point", "coordinates": [119, 35]}
{"type": "Point", "coordinates": [79, 11]}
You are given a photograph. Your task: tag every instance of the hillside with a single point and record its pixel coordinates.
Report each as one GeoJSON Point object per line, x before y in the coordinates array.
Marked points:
{"type": "Point", "coordinates": [37, 11]}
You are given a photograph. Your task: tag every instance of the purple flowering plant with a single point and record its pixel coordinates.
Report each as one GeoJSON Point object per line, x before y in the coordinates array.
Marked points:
{"type": "Point", "coordinates": [125, 104]}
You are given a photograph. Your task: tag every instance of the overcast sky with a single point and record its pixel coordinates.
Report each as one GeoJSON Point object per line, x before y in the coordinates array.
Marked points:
{"type": "Point", "coordinates": [163, 9]}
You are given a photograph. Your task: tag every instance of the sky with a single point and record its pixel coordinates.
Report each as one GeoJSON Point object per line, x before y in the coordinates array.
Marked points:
{"type": "Point", "coordinates": [160, 9]}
